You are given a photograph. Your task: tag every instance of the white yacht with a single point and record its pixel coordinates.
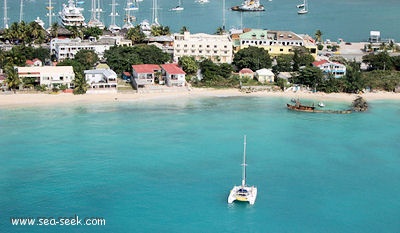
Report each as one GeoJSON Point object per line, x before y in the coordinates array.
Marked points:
{"type": "Point", "coordinates": [71, 15]}
{"type": "Point", "coordinates": [129, 17]}
{"type": "Point", "coordinates": [95, 15]}
{"type": "Point", "coordinates": [243, 192]}
{"type": "Point", "coordinates": [113, 27]}
{"type": "Point", "coordinates": [249, 5]}
{"type": "Point", "coordinates": [303, 8]}
{"type": "Point", "coordinates": [40, 22]}
{"type": "Point", "coordinates": [178, 7]}
{"type": "Point", "coordinates": [203, 1]}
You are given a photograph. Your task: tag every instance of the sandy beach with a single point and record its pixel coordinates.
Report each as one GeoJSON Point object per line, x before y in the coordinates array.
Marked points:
{"type": "Point", "coordinates": [24, 100]}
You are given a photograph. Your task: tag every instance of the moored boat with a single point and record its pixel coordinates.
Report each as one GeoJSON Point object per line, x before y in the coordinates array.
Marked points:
{"type": "Point", "coordinates": [249, 5]}
{"type": "Point", "coordinates": [71, 15]}
{"type": "Point", "coordinates": [243, 192]}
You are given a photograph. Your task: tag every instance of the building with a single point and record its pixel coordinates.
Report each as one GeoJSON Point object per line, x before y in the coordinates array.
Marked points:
{"type": "Point", "coordinates": [173, 75]}
{"type": "Point", "coordinates": [246, 73]}
{"type": "Point", "coordinates": [265, 76]}
{"type": "Point", "coordinates": [50, 76]}
{"type": "Point", "coordinates": [67, 48]}
{"type": "Point", "coordinates": [336, 69]}
{"type": "Point", "coordinates": [101, 80]}
{"type": "Point", "coordinates": [34, 62]}
{"type": "Point", "coordinates": [217, 48]}
{"type": "Point", "coordinates": [275, 42]}
{"type": "Point", "coordinates": [144, 75]}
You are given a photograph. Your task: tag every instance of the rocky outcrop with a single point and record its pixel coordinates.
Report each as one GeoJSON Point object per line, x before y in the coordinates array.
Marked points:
{"type": "Point", "coordinates": [360, 104]}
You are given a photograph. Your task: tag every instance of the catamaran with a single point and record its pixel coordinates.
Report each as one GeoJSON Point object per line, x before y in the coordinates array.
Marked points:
{"type": "Point", "coordinates": [243, 192]}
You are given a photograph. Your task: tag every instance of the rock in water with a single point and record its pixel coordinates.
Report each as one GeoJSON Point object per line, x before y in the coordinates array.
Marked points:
{"type": "Point", "coordinates": [360, 104]}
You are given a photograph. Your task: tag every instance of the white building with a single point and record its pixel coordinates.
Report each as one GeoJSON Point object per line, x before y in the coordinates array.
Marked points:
{"type": "Point", "coordinates": [101, 80]}
{"type": "Point", "coordinates": [173, 75]}
{"type": "Point", "coordinates": [51, 76]}
{"type": "Point", "coordinates": [265, 76]}
{"type": "Point", "coordinates": [335, 69]}
{"type": "Point", "coordinates": [217, 48]}
{"type": "Point", "coordinates": [67, 48]}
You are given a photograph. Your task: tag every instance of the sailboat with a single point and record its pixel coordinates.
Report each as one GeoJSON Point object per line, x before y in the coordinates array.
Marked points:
{"type": "Point", "coordinates": [113, 27]}
{"type": "Point", "coordinates": [243, 192]}
{"type": "Point", "coordinates": [178, 7]}
{"type": "Point", "coordinates": [95, 15]}
{"type": "Point", "coordinates": [129, 17]}
{"type": "Point", "coordinates": [303, 8]}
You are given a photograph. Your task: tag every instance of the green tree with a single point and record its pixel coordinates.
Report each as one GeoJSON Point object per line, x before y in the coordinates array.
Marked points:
{"type": "Point", "coordinates": [12, 79]}
{"type": "Point", "coordinates": [380, 61]}
{"type": "Point", "coordinates": [220, 31]}
{"type": "Point", "coordinates": [188, 64]}
{"type": "Point", "coordinates": [283, 63]}
{"type": "Point", "coordinates": [309, 76]}
{"type": "Point", "coordinates": [54, 30]}
{"type": "Point", "coordinates": [92, 32]}
{"type": "Point", "coordinates": [160, 30]}
{"type": "Point", "coordinates": [77, 66]}
{"type": "Point", "coordinates": [318, 36]}
{"type": "Point", "coordinates": [353, 81]}
{"type": "Point", "coordinates": [136, 35]}
{"type": "Point", "coordinates": [88, 58]}
{"type": "Point", "coordinates": [253, 58]}
{"type": "Point", "coordinates": [80, 84]}
{"type": "Point", "coordinates": [183, 29]}
{"type": "Point", "coordinates": [301, 57]}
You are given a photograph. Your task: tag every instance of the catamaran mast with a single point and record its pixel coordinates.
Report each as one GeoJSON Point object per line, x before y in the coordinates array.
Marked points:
{"type": "Point", "coordinates": [244, 162]}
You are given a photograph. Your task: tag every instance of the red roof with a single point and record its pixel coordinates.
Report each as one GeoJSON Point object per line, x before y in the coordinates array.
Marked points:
{"type": "Point", "coordinates": [246, 71]}
{"type": "Point", "coordinates": [127, 74]}
{"type": "Point", "coordinates": [29, 62]}
{"type": "Point", "coordinates": [172, 69]}
{"type": "Point", "coordinates": [318, 63]}
{"type": "Point", "coordinates": [145, 68]}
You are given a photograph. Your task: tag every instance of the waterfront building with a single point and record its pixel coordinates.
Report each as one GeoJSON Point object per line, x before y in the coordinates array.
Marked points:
{"type": "Point", "coordinates": [173, 75]}
{"type": "Point", "coordinates": [217, 48]}
{"type": "Point", "coordinates": [336, 69]}
{"type": "Point", "coordinates": [101, 81]}
{"type": "Point", "coordinates": [67, 48]}
{"type": "Point", "coordinates": [50, 76]}
{"type": "Point", "coordinates": [265, 75]}
{"type": "Point", "coordinates": [275, 42]}
{"type": "Point", "coordinates": [144, 75]}
{"type": "Point", "coordinates": [246, 73]}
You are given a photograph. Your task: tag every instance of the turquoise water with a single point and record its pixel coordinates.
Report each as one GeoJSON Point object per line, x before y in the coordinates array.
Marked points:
{"type": "Point", "coordinates": [351, 20]}
{"type": "Point", "coordinates": [162, 167]}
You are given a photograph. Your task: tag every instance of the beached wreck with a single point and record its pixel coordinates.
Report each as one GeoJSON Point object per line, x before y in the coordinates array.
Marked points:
{"type": "Point", "coordinates": [297, 106]}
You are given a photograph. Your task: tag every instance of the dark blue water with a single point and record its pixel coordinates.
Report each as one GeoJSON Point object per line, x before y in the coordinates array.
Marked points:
{"type": "Point", "coordinates": [163, 167]}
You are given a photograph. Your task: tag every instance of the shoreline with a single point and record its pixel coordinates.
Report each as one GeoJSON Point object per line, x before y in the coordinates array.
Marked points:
{"type": "Point", "coordinates": [32, 100]}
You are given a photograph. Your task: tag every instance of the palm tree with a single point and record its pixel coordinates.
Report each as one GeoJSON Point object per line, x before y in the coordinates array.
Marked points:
{"type": "Point", "coordinates": [54, 30]}
{"type": "Point", "coordinates": [318, 36]}
{"type": "Point", "coordinates": [80, 84]}
{"type": "Point", "coordinates": [220, 31]}
{"type": "Point", "coordinates": [183, 30]}
{"type": "Point", "coordinates": [12, 79]}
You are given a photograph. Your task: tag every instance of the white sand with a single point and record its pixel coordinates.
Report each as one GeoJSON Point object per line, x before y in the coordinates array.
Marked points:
{"type": "Point", "coordinates": [18, 100]}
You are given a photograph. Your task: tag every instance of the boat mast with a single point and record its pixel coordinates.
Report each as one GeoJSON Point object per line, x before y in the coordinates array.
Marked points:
{"type": "Point", "coordinates": [5, 15]}
{"type": "Point", "coordinates": [244, 163]}
{"type": "Point", "coordinates": [50, 14]}
{"type": "Point", "coordinates": [223, 15]}
{"type": "Point", "coordinates": [21, 10]}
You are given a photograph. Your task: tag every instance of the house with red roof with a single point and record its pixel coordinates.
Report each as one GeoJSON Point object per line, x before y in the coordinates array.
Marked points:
{"type": "Point", "coordinates": [246, 73]}
{"type": "Point", "coordinates": [144, 74]}
{"type": "Point", "coordinates": [336, 69]}
{"type": "Point", "coordinates": [34, 62]}
{"type": "Point", "coordinates": [173, 75]}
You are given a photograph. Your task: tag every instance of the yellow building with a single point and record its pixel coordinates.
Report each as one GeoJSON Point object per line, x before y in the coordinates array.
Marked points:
{"type": "Point", "coordinates": [275, 42]}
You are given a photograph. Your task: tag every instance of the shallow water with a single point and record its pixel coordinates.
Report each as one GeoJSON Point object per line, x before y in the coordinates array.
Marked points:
{"type": "Point", "coordinates": [168, 167]}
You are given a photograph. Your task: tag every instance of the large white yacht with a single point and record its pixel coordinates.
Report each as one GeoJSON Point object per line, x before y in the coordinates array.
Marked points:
{"type": "Point", "coordinates": [71, 15]}
{"type": "Point", "coordinates": [243, 192]}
